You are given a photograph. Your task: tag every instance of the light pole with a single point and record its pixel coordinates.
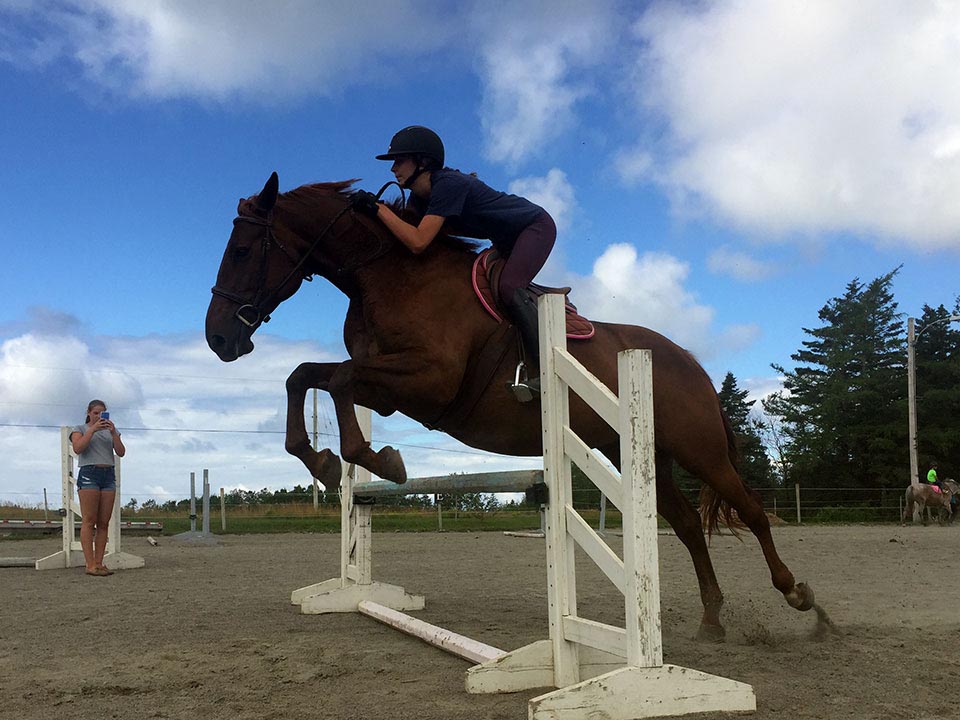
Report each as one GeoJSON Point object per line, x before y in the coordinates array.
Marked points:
{"type": "Point", "coordinates": [912, 389]}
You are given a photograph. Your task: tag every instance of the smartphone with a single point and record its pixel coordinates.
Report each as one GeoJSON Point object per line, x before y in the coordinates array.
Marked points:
{"type": "Point", "coordinates": [104, 415]}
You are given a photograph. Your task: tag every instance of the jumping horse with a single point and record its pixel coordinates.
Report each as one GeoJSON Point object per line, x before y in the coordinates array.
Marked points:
{"type": "Point", "coordinates": [925, 498]}
{"type": "Point", "coordinates": [414, 331]}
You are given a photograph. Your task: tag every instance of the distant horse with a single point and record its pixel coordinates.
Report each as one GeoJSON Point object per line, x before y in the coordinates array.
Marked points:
{"type": "Point", "coordinates": [414, 332]}
{"type": "Point", "coordinates": [927, 498]}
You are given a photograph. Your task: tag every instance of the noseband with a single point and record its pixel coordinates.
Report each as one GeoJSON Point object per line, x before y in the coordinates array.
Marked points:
{"type": "Point", "coordinates": [250, 312]}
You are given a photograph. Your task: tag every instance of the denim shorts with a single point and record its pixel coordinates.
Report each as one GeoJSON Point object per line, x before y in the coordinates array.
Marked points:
{"type": "Point", "coordinates": [92, 477]}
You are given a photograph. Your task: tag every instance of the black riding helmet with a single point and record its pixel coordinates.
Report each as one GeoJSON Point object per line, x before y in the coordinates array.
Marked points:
{"type": "Point", "coordinates": [415, 140]}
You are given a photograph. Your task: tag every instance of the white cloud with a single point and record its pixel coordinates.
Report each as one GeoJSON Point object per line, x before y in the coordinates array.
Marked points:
{"type": "Point", "coordinates": [553, 193]}
{"type": "Point", "coordinates": [531, 67]}
{"type": "Point", "coordinates": [739, 265]}
{"type": "Point", "coordinates": [219, 48]}
{"type": "Point", "coordinates": [814, 116]}
{"type": "Point", "coordinates": [650, 290]}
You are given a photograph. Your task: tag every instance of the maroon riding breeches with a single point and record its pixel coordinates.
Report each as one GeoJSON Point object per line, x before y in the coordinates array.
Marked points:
{"type": "Point", "coordinates": [529, 253]}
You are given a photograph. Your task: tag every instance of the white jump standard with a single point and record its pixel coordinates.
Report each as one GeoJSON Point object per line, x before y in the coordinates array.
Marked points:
{"type": "Point", "coordinates": [72, 554]}
{"type": "Point", "coordinates": [599, 670]}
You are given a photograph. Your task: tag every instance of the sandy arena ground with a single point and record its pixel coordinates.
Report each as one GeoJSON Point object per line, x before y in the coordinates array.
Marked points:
{"type": "Point", "coordinates": [209, 633]}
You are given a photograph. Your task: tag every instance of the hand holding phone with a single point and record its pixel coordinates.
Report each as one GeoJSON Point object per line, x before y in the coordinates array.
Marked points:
{"type": "Point", "coordinates": [104, 415]}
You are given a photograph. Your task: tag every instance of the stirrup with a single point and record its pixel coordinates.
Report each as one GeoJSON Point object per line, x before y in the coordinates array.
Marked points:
{"type": "Point", "coordinates": [523, 389]}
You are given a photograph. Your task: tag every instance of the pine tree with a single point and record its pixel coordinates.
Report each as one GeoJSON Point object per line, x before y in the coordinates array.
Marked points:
{"type": "Point", "coordinates": [843, 409]}
{"type": "Point", "coordinates": [755, 468]}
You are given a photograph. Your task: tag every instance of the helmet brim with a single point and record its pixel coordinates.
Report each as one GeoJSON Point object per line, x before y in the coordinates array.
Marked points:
{"type": "Point", "coordinates": [391, 156]}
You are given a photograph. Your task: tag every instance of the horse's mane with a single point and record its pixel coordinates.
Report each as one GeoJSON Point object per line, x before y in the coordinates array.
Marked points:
{"type": "Point", "coordinates": [306, 197]}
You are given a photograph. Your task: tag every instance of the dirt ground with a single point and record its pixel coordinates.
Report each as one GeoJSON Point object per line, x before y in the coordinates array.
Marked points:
{"type": "Point", "coordinates": [209, 632]}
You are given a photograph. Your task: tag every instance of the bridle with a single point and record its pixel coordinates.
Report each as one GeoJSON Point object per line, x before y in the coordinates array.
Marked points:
{"type": "Point", "coordinates": [250, 312]}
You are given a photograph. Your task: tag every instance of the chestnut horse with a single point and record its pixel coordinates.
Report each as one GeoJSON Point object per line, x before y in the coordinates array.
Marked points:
{"type": "Point", "coordinates": [413, 331]}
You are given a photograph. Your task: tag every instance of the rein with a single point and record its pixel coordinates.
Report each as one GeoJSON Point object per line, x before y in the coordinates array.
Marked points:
{"type": "Point", "coordinates": [250, 312]}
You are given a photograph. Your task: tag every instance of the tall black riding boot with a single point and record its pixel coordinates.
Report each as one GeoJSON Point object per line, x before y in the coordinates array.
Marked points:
{"type": "Point", "coordinates": [523, 312]}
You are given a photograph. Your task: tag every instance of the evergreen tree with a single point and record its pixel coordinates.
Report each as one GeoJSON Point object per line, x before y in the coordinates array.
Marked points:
{"type": "Point", "coordinates": [937, 355]}
{"type": "Point", "coordinates": [755, 468]}
{"type": "Point", "coordinates": [843, 410]}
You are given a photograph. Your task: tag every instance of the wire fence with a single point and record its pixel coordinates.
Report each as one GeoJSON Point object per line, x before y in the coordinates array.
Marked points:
{"type": "Point", "coordinates": [790, 504]}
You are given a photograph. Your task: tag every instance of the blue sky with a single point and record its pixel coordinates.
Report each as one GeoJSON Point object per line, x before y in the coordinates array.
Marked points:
{"type": "Point", "coordinates": [718, 171]}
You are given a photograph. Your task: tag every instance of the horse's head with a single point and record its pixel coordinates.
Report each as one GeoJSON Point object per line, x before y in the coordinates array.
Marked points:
{"type": "Point", "coordinates": [277, 242]}
{"type": "Point", "coordinates": [253, 278]}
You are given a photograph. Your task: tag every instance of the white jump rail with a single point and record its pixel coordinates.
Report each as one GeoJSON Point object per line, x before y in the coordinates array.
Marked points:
{"type": "Point", "coordinates": [72, 554]}
{"type": "Point", "coordinates": [599, 670]}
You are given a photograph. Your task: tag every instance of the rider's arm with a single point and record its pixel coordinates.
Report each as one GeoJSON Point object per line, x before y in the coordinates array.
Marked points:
{"type": "Point", "coordinates": [416, 238]}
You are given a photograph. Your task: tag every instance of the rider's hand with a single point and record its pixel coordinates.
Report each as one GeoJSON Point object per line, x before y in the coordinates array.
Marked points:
{"type": "Point", "coordinates": [365, 203]}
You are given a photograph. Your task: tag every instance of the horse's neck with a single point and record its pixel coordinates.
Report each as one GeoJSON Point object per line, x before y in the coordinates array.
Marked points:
{"type": "Point", "coordinates": [400, 274]}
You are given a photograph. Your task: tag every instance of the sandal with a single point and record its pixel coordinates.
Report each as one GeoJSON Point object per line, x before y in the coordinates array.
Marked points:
{"type": "Point", "coordinates": [99, 572]}
{"type": "Point", "coordinates": [105, 570]}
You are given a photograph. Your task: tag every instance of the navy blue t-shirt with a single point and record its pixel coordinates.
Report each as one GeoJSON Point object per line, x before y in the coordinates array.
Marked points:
{"type": "Point", "coordinates": [474, 209]}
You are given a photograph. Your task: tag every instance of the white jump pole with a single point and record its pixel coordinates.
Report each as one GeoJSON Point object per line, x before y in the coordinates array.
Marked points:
{"type": "Point", "coordinates": [451, 642]}
{"type": "Point", "coordinates": [71, 554]}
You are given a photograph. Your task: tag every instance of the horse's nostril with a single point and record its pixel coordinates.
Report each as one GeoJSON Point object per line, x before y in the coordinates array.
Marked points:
{"type": "Point", "coordinates": [217, 341]}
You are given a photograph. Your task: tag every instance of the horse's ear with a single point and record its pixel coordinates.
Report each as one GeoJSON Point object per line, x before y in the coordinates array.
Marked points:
{"type": "Point", "coordinates": [268, 196]}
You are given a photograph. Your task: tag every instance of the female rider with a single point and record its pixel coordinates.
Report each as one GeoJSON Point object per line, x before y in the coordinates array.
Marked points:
{"type": "Point", "coordinates": [522, 232]}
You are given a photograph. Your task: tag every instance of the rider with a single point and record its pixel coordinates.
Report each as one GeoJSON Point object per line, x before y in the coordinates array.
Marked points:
{"type": "Point", "coordinates": [522, 232]}
{"type": "Point", "coordinates": [932, 476]}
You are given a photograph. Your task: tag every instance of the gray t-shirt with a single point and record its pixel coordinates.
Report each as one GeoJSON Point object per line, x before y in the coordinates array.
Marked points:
{"type": "Point", "coordinates": [100, 449]}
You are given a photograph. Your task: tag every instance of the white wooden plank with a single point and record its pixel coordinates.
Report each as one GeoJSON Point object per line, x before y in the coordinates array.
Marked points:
{"type": "Point", "coordinates": [585, 384]}
{"type": "Point", "coordinates": [640, 552]}
{"type": "Point", "coordinates": [598, 551]}
{"type": "Point", "coordinates": [348, 598]}
{"type": "Point", "coordinates": [555, 411]}
{"type": "Point", "coordinates": [606, 480]}
{"type": "Point", "coordinates": [505, 481]}
{"type": "Point", "coordinates": [597, 635]}
{"type": "Point", "coordinates": [634, 692]}
{"type": "Point", "coordinates": [447, 640]}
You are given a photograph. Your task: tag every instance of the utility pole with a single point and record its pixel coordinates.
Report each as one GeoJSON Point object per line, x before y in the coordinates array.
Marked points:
{"type": "Point", "coordinates": [912, 400]}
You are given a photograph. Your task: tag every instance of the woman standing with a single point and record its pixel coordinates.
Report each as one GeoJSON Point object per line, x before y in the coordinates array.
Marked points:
{"type": "Point", "coordinates": [95, 443]}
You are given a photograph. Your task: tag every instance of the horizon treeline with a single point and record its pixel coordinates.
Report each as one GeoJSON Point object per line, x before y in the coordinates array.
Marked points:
{"type": "Point", "coordinates": [841, 419]}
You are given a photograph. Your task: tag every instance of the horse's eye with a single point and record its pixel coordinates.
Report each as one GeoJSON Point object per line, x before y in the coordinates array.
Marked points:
{"type": "Point", "coordinates": [241, 252]}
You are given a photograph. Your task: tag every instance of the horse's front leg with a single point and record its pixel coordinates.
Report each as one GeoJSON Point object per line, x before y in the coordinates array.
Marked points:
{"type": "Point", "coordinates": [323, 465]}
{"type": "Point", "coordinates": [355, 448]}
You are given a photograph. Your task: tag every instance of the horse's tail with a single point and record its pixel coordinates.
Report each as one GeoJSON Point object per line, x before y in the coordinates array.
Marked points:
{"type": "Point", "coordinates": [713, 508]}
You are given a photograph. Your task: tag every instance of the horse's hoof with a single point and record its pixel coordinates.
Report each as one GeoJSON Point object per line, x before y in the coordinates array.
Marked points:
{"type": "Point", "coordinates": [391, 465]}
{"type": "Point", "coordinates": [326, 468]}
{"type": "Point", "coordinates": [711, 633]}
{"type": "Point", "coordinates": [801, 597]}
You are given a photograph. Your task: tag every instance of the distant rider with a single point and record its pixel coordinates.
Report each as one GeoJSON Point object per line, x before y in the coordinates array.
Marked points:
{"type": "Point", "coordinates": [932, 477]}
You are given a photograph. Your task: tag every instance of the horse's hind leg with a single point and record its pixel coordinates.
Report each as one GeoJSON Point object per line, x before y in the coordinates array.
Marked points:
{"type": "Point", "coordinates": [711, 463]}
{"type": "Point", "coordinates": [674, 507]}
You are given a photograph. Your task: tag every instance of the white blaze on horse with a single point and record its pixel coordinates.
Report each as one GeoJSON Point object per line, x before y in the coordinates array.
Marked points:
{"type": "Point", "coordinates": [927, 498]}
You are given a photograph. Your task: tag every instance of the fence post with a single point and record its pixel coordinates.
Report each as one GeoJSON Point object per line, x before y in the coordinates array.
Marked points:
{"type": "Point", "coordinates": [193, 502]}
{"type": "Point", "coordinates": [797, 488]}
{"type": "Point", "coordinates": [223, 512]}
{"type": "Point", "coordinates": [206, 502]}
{"type": "Point", "coordinates": [436, 499]}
